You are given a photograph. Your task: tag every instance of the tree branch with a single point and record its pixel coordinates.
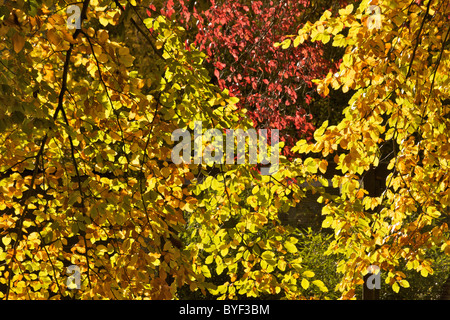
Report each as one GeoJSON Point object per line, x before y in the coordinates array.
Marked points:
{"type": "Point", "coordinates": [418, 39]}
{"type": "Point", "coordinates": [41, 149]}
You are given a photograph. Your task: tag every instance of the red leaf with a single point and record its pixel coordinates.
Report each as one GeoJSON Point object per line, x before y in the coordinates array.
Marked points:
{"type": "Point", "coordinates": [238, 38]}
{"type": "Point", "coordinates": [219, 65]}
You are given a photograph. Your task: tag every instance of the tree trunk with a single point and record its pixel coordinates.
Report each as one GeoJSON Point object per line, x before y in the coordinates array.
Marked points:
{"type": "Point", "coordinates": [370, 294]}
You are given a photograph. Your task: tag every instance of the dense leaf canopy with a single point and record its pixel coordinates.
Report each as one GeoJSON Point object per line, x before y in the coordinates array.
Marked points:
{"type": "Point", "coordinates": [87, 178]}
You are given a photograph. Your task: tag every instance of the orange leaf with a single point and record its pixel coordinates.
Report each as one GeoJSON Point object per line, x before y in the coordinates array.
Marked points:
{"type": "Point", "coordinates": [53, 37]}
{"type": "Point", "coordinates": [360, 193]}
{"type": "Point", "coordinates": [323, 166]}
{"type": "Point", "coordinates": [18, 42]}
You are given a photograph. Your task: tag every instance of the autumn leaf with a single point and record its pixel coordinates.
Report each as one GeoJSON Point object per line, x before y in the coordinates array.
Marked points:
{"type": "Point", "coordinates": [18, 42]}
{"type": "Point", "coordinates": [305, 283]}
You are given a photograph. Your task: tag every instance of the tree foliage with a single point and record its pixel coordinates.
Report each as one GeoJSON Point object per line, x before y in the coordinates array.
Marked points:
{"type": "Point", "coordinates": [397, 60]}
{"type": "Point", "coordinates": [275, 86]}
{"type": "Point", "coordinates": [86, 176]}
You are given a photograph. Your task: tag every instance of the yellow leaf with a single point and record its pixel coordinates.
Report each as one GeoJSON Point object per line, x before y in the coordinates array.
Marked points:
{"type": "Point", "coordinates": [298, 40]}
{"type": "Point", "coordinates": [68, 37]}
{"type": "Point", "coordinates": [308, 274]}
{"type": "Point", "coordinates": [305, 283]}
{"type": "Point", "coordinates": [395, 287]}
{"type": "Point", "coordinates": [290, 247]}
{"type": "Point", "coordinates": [103, 36]}
{"type": "Point", "coordinates": [404, 283]}
{"type": "Point", "coordinates": [6, 240]}
{"type": "Point", "coordinates": [102, 58]}
{"type": "Point", "coordinates": [346, 11]}
{"type": "Point", "coordinates": [103, 21]}
{"type": "Point", "coordinates": [219, 269]}
{"type": "Point", "coordinates": [209, 259]}
{"type": "Point", "coordinates": [300, 146]}
{"type": "Point", "coordinates": [18, 42]}
{"type": "Point", "coordinates": [321, 285]}
{"type": "Point", "coordinates": [432, 212]}
{"type": "Point", "coordinates": [323, 89]}
{"type": "Point", "coordinates": [424, 273]}
{"type": "Point", "coordinates": [286, 44]}
{"type": "Point", "coordinates": [320, 29]}
{"type": "Point", "coordinates": [281, 265]}
{"type": "Point", "coordinates": [205, 271]}
{"type": "Point", "coordinates": [327, 222]}
{"type": "Point", "coordinates": [323, 166]}
{"type": "Point", "coordinates": [53, 37]}
{"type": "Point", "coordinates": [326, 15]}
{"type": "Point", "coordinates": [326, 38]}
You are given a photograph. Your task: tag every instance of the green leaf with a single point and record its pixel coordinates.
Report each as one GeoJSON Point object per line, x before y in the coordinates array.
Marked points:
{"type": "Point", "coordinates": [74, 228]}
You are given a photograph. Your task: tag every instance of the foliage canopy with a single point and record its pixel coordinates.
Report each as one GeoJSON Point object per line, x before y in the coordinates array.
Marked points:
{"type": "Point", "coordinates": [86, 177]}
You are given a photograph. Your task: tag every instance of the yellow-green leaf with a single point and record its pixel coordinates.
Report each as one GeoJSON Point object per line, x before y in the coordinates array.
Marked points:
{"type": "Point", "coordinates": [290, 247]}
{"type": "Point", "coordinates": [305, 283]}
{"type": "Point", "coordinates": [286, 44]}
{"type": "Point", "coordinates": [6, 240]}
{"type": "Point", "coordinates": [308, 274]}
{"type": "Point", "coordinates": [395, 287]}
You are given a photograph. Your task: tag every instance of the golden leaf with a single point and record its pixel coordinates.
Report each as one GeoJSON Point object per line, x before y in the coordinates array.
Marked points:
{"type": "Point", "coordinates": [53, 37]}
{"type": "Point", "coordinates": [18, 42]}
